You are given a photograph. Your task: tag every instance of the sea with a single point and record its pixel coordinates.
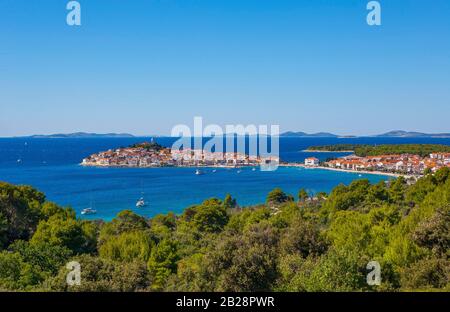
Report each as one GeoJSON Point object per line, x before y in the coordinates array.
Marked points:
{"type": "Point", "coordinates": [52, 166]}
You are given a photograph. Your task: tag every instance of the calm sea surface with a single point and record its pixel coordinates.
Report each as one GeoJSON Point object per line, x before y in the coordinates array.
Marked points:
{"type": "Point", "coordinates": [51, 165]}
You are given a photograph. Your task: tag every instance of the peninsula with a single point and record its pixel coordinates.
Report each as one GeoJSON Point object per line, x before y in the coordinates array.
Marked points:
{"type": "Point", "coordinates": [152, 154]}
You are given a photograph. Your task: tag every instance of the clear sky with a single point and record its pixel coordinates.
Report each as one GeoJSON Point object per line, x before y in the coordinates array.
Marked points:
{"type": "Point", "coordinates": [143, 66]}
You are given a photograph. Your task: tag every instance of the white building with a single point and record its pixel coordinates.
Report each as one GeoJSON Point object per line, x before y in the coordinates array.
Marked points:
{"type": "Point", "coordinates": [312, 161]}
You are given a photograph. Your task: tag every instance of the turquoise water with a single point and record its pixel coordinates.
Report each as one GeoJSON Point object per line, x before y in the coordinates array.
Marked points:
{"type": "Point", "coordinates": [52, 167]}
{"type": "Point", "coordinates": [169, 189]}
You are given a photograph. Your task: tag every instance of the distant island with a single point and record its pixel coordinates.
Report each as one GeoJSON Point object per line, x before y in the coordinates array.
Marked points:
{"type": "Point", "coordinates": [288, 134]}
{"type": "Point", "coordinates": [412, 134]}
{"type": "Point", "coordinates": [392, 134]}
{"type": "Point", "coordinates": [79, 135]}
{"type": "Point", "coordinates": [292, 134]}
{"type": "Point", "coordinates": [364, 150]}
{"type": "Point", "coordinates": [311, 135]}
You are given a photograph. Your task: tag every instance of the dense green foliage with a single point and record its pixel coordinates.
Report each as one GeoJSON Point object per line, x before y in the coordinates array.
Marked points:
{"type": "Point", "coordinates": [320, 243]}
{"type": "Point", "coordinates": [375, 150]}
{"type": "Point", "coordinates": [150, 146]}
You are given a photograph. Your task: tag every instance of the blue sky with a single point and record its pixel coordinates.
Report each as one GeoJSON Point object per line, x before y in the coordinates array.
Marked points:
{"type": "Point", "coordinates": [143, 66]}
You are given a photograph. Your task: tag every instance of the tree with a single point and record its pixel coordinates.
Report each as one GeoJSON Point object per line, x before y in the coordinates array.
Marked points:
{"type": "Point", "coordinates": [190, 275]}
{"type": "Point", "coordinates": [102, 275]}
{"type": "Point", "coordinates": [434, 233]}
{"type": "Point", "coordinates": [229, 202]}
{"type": "Point", "coordinates": [397, 190]}
{"type": "Point", "coordinates": [20, 208]}
{"type": "Point", "coordinates": [442, 175]}
{"type": "Point", "coordinates": [127, 246]}
{"type": "Point", "coordinates": [211, 216]}
{"type": "Point", "coordinates": [427, 273]}
{"type": "Point", "coordinates": [46, 257]}
{"type": "Point", "coordinates": [125, 221]}
{"type": "Point", "coordinates": [303, 238]}
{"type": "Point", "coordinates": [66, 232]}
{"type": "Point", "coordinates": [302, 195]}
{"type": "Point", "coordinates": [277, 196]}
{"type": "Point", "coordinates": [16, 274]}
{"type": "Point", "coordinates": [337, 270]}
{"type": "Point", "coordinates": [162, 262]}
{"type": "Point", "coordinates": [244, 263]}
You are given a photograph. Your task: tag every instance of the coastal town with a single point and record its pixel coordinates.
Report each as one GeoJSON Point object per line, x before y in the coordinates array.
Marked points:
{"type": "Point", "coordinates": [151, 154]}
{"type": "Point", "coordinates": [409, 164]}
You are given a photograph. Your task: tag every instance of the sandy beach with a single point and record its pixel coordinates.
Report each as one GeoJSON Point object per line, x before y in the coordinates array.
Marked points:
{"type": "Point", "coordinates": [391, 174]}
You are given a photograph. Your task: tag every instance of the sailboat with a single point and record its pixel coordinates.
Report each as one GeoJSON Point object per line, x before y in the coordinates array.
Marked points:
{"type": "Point", "coordinates": [88, 211]}
{"type": "Point", "coordinates": [141, 202]}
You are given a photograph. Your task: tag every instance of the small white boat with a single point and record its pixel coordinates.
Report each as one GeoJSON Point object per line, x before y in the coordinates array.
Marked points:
{"type": "Point", "coordinates": [239, 171]}
{"type": "Point", "coordinates": [19, 160]}
{"type": "Point", "coordinates": [88, 211]}
{"type": "Point", "coordinates": [214, 170]}
{"type": "Point", "coordinates": [253, 169]}
{"type": "Point", "coordinates": [198, 172]}
{"type": "Point", "coordinates": [359, 175]}
{"type": "Point", "coordinates": [141, 203]}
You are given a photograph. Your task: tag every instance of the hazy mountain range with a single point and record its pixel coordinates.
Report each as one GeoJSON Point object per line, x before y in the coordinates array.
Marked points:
{"type": "Point", "coordinates": [395, 133]}
{"type": "Point", "coordinates": [298, 134]}
{"type": "Point", "coordinates": [83, 135]}
{"type": "Point", "coordinates": [304, 134]}
{"type": "Point", "coordinates": [412, 134]}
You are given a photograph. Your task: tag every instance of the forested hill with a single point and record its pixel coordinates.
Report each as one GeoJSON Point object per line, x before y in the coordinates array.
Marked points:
{"type": "Point", "coordinates": [322, 243]}
{"type": "Point", "coordinates": [375, 150]}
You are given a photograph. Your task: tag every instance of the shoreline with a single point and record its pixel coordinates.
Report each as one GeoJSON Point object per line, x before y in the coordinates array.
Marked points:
{"type": "Point", "coordinates": [321, 151]}
{"type": "Point", "coordinates": [292, 165]}
{"type": "Point", "coordinates": [390, 174]}
{"type": "Point", "coordinates": [175, 166]}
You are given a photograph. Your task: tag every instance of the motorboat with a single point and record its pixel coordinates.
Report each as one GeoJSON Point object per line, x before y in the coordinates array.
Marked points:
{"type": "Point", "coordinates": [198, 172]}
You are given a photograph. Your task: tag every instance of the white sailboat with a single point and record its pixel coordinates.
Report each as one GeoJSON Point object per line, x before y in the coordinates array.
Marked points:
{"type": "Point", "coordinates": [88, 211]}
{"type": "Point", "coordinates": [141, 202]}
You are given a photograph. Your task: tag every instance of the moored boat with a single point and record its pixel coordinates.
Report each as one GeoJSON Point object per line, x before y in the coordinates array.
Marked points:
{"type": "Point", "coordinates": [198, 172]}
{"type": "Point", "coordinates": [141, 202]}
{"type": "Point", "coordinates": [88, 211]}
